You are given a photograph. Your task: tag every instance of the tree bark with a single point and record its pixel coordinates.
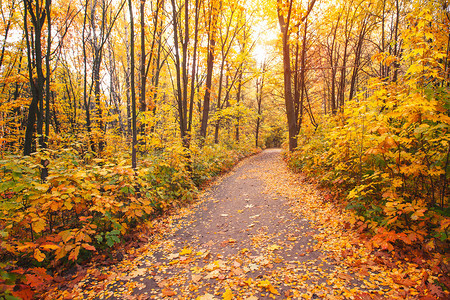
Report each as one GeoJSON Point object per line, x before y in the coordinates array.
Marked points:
{"type": "Point", "coordinates": [133, 90]}
{"type": "Point", "coordinates": [209, 73]}
{"type": "Point", "coordinates": [288, 99]}
{"type": "Point", "coordinates": [36, 108]}
{"type": "Point", "coordinates": [143, 104]}
{"type": "Point", "coordinates": [259, 97]}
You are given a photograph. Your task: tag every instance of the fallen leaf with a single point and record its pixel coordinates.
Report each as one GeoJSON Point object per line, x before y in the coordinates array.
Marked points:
{"type": "Point", "coordinates": [206, 296]}
{"type": "Point", "coordinates": [186, 251]}
{"type": "Point", "coordinates": [213, 274]}
{"type": "Point", "coordinates": [168, 292]}
{"type": "Point", "coordinates": [249, 281]}
{"type": "Point", "coordinates": [345, 276]}
{"type": "Point", "coordinates": [268, 286]}
{"type": "Point", "coordinates": [102, 277]}
{"type": "Point", "coordinates": [238, 271]}
{"type": "Point", "coordinates": [274, 247]}
{"type": "Point", "coordinates": [228, 295]}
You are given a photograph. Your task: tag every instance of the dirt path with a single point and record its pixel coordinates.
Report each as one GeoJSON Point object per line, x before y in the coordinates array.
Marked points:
{"type": "Point", "coordinates": [258, 233]}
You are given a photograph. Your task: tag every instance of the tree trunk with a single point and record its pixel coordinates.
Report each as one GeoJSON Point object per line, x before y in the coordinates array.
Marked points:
{"type": "Point", "coordinates": [209, 73]}
{"type": "Point", "coordinates": [96, 78]}
{"type": "Point", "coordinates": [179, 93]}
{"type": "Point", "coordinates": [194, 67]}
{"type": "Point", "coordinates": [358, 51]}
{"type": "Point", "coordinates": [133, 90]}
{"type": "Point", "coordinates": [143, 104]}
{"type": "Point", "coordinates": [36, 108]}
{"type": "Point", "coordinates": [288, 100]}
{"type": "Point", "coordinates": [47, 71]}
{"type": "Point", "coordinates": [333, 64]}
{"type": "Point", "coordinates": [259, 97]}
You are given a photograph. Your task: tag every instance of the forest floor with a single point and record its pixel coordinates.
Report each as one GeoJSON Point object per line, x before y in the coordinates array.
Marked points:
{"type": "Point", "coordinates": [259, 232]}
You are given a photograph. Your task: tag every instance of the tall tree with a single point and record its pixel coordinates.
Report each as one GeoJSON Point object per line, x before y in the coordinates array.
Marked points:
{"type": "Point", "coordinates": [143, 79]}
{"type": "Point", "coordinates": [133, 89]}
{"type": "Point", "coordinates": [100, 30]}
{"type": "Point", "coordinates": [284, 12]}
{"type": "Point", "coordinates": [37, 13]}
{"type": "Point", "coordinates": [214, 8]}
{"type": "Point", "coordinates": [259, 98]}
{"type": "Point", "coordinates": [227, 37]}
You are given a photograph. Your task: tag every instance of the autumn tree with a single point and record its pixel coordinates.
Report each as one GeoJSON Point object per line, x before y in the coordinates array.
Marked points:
{"type": "Point", "coordinates": [182, 39]}
{"type": "Point", "coordinates": [214, 8]}
{"type": "Point", "coordinates": [101, 18]}
{"type": "Point", "coordinates": [259, 99]}
{"type": "Point", "coordinates": [38, 12]}
{"type": "Point", "coordinates": [284, 12]}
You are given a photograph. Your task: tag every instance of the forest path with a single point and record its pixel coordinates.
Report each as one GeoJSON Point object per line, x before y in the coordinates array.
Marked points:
{"type": "Point", "coordinates": [260, 232]}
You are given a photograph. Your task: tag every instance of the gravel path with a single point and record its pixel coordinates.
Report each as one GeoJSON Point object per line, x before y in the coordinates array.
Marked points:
{"type": "Point", "coordinates": [243, 234]}
{"type": "Point", "coordinates": [259, 232]}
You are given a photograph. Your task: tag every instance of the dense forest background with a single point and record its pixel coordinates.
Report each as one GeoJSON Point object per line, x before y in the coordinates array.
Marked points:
{"type": "Point", "coordinates": [112, 112]}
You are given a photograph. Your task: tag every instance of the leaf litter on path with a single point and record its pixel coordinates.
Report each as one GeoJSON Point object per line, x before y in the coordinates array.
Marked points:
{"type": "Point", "coordinates": [285, 242]}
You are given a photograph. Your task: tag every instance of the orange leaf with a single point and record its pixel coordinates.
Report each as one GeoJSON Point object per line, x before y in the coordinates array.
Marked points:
{"type": "Point", "coordinates": [88, 247]}
{"type": "Point", "coordinates": [74, 253]}
{"type": "Point", "coordinates": [47, 247]}
{"type": "Point", "coordinates": [42, 273]}
{"type": "Point", "coordinates": [168, 292]}
{"type": "Point", "coordinates": [33, 280]}
{"type": "Point", "coordinates": [24, 292]}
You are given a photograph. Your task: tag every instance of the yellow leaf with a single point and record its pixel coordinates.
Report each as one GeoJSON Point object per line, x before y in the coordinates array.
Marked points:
{"type": "Point", "coordinates": [38, 225]}
{"type": "Point", "coordinates": [273, 290]}
{"type": "Point", "coordinates": [228, 295]}
{"type": "Point", "coordinates": [186, 251]}
{"type": "Point", "coordinates": [264, 283]}
{"type": "Point", "coordinates": [274, 247]}
{"type": "Point", "coordinates": [38, 255]}
{"type": "Point", "coordinates": [268, 286]}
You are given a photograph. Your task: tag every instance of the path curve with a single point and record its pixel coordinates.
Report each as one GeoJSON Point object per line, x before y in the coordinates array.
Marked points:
{"type": "Point", "coordinates": [259, 232]}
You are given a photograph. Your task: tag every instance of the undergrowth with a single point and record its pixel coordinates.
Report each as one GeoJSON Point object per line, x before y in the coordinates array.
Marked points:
{"type": "Point", "coordinates": [87, 205]}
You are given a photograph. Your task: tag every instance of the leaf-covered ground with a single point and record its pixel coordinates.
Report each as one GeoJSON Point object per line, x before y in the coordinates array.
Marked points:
{"type": "Point", "coordinates": [260, 232]}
